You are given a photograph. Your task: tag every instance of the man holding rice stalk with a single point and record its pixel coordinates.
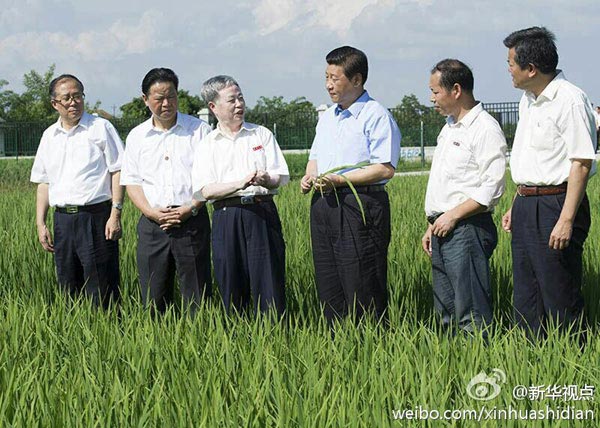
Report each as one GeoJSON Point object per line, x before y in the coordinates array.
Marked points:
{"type": "Point", "coordinates": [356, 149]}
{"type": "Point", "coordinates": [553, 155]}
{"type": "Point", "coordinates": [174, 229]}
{"type": "Point", "coordinates": [77, 166]}
{"type": "Point", "coordinates": [465, 183]}
{"type": "Point", "coordinates": [239, 167]}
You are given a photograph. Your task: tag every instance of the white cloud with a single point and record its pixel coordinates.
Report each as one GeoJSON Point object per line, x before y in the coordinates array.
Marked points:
{"type": "Point", "coordinates": [116, 41]}
{"type": "Point", "coordinates": [336, 15]}
{"type": "Point", "coordinates": [277, 47]}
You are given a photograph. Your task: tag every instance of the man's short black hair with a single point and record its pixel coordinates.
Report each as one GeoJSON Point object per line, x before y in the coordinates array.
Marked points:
{"type": "Point", "coordinates": [57, 80]}
{"type": "Point", "coordinates": [535, 45]}
{"type": "Point", "coordinates": [352, 61]}
{"type": "Point", "coordinates": [453, 71]}
{"type": "Point", "coordinates": [159, 75]}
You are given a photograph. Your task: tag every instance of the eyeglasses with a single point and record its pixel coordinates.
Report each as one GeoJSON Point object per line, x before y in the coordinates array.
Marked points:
{"type": "Point", "coordinates": [66, 99]}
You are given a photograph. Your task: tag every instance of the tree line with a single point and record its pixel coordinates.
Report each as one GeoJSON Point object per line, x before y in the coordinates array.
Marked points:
{"type": "Point", "coordinates": [32, 105]}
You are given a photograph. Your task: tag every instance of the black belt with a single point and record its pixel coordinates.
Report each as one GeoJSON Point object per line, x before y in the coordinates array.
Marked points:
{"type": "Point", "coordinates": [523, 190]}
{"type": "Point", "coordinates": [241, 200]}
{"type": "Point", "coordinates": [74, 209]}
{"type": "Point", "coordinates": [432, 218]}
{"type": "Point", "coordinates": [359, 189]}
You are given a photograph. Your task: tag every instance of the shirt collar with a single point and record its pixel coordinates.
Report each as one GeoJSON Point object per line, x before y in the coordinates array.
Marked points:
{"type": "Point", "coordinates": [84, 122]}
{"type": "Point", "coordinates": [248, 127]}
{"type": "Point", "coordinates": [468, 118]}
{"type": "Point", "coordinates": [149, 125]}
{"type": "Point", "coordinates": [550, 90]}
{"type": "Point", "coordinates": [356, 107]}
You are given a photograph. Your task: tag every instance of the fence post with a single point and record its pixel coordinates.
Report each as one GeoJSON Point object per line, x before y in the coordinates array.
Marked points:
{"type": "Point", "coordinates": [2, 132]}
{"type": "Point", "coordinates": [18, 141]}
{"type": "Point", "coordinates": [422, 146]}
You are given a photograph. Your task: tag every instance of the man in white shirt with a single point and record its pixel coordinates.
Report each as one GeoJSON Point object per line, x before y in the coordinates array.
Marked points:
{"type": "Point", "coordinates": [239, 167]}
{"type": "Point", "coordinates": [77, 167]}
{"type": "Point", "coordinates": [173, 230]}
{"type": "Point", "coordinates": [553, 155]}
{"type": "Point", "coordinates": [465, 183]}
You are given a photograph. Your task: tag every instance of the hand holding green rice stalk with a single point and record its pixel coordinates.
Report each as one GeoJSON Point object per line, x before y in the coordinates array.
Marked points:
{"type": "Point", "coordinates": [322, 181]}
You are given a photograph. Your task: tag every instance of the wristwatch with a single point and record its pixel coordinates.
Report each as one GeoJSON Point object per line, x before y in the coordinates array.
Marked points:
{"type": "Point", "coordinates": [117, 205]}
{"type": "Point", "coordinates": [193, 208]}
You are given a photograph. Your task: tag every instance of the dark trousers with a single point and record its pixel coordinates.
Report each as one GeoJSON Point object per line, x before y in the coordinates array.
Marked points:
{"type": "Point", "coordinates": [547, 282]}
{"type": "Point", "coordinates": [85, 259]}
{"type": "Point", "coordinates": [350, 257]}
{"type": "Point", "coordinates": [462, 291]}
{"type": "Point", "coordinates": [184, 249]}
{"type": "Point", "coordinates": [249, 257]}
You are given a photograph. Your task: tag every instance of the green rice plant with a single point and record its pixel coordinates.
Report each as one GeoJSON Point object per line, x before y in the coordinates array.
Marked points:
{"type": "Point", "coordinates": [322, 179]}
{"type": "Point", "coordinates": [64, 363]}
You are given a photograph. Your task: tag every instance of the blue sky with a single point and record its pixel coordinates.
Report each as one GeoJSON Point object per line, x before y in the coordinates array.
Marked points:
{"type": "Point", "coordinates": [278, 47]}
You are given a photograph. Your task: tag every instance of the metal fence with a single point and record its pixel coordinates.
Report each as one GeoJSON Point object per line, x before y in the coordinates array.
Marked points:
{"type": "Point", "coordinates": [507, 115]}
{"type": "Point", "coordinates": [293, 131]}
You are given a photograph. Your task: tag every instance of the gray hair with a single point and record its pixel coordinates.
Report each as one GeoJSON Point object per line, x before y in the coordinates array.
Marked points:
{"type": "Point", "coordinates": [210, 88]}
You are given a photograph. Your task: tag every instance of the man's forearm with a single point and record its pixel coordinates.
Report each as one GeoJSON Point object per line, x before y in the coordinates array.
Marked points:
{"type": "Point", "coordinates": [118, 192]}
{"type": "Point", "coordinates": [311, 168]}
{"type": "Point", "coordinates": [41, 204]}
{"type": "Point", "coordinates": [468, 208]}
{"type": "Point", "coordinates": [368, 175]}
{"type": "Point", "coordinates": [578, 177]}
{"type": "Point", "coordinates": [137, 196]}
{"type": "Point", "coordinates": [273, 182]}
{"type": "Point", "coordinates": [215, 191]}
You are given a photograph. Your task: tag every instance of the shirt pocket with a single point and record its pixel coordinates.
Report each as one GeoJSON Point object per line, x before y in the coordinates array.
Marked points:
{"type": "Point", "coordinates": [258, 158]}
{"type": "Point", "coordinates": [456, 159]}
{"type": "Point", "coordinates": [544, 135]}
{"type": "Point", "coordinates": [152, 160]}
{"type": "Point", "coordinates": [358, 147]}
{"type": "Point", "coordinates": [88, 151]}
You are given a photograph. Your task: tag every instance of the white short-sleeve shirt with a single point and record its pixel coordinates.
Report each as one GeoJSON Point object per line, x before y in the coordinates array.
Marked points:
{"type": "Point", "coordinates": [554, 128]}
{"type": "Point", "coordinates": [469, 162]}
{"type": "Point", "coordinates": [221, 159]}
{"type": "Point", "coordinates": [161, 161]}
{"type": "Point", "coordinates": [77, 163]}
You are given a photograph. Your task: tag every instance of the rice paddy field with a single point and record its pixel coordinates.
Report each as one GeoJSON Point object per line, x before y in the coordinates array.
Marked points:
{"type": "Point", "coordinates": [66, 364]}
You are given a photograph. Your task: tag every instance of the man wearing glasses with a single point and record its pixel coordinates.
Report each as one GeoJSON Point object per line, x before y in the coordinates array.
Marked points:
{"type": "Point", "coordinates": [77, 168]}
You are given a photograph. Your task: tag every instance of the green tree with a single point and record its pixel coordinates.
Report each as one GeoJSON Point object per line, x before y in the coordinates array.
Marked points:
{"type": "Point", "coordinates": [34, 103]}
{"type": "Point", "coordinates": [280, 110]}
{"type": "Point", "coordinates": [135, 110]}
{"type": "Point", "coordinates": [408, 115]}
{"type": "Point", "coordinates": [189, 104]}
{"type": "Point", "coordinates": [6, 99]}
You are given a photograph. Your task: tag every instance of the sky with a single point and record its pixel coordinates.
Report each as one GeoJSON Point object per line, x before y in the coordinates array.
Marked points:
{"type": "Point", "coordinates": [278, 47]}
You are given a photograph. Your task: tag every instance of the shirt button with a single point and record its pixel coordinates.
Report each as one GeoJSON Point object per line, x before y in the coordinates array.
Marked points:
{"type": "Point", "coordinates": [166, 157]}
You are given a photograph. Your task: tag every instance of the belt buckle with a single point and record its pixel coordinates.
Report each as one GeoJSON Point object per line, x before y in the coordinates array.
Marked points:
{"type": "Point", "coordinates": [71, 209]}
{"type": "Point", "coordinates": [247, 200]}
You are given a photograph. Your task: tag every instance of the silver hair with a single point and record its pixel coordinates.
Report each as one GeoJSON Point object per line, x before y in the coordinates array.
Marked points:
{"type": "Point", "coordinates": [210, 88]}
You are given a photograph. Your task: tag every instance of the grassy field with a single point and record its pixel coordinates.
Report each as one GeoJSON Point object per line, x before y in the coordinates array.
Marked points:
{"type": "Point", "coordinates": [70, 365]}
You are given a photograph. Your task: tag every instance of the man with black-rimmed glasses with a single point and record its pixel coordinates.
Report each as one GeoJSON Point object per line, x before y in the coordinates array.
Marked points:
{"type": "Point", "coordinates": [77, 166]}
